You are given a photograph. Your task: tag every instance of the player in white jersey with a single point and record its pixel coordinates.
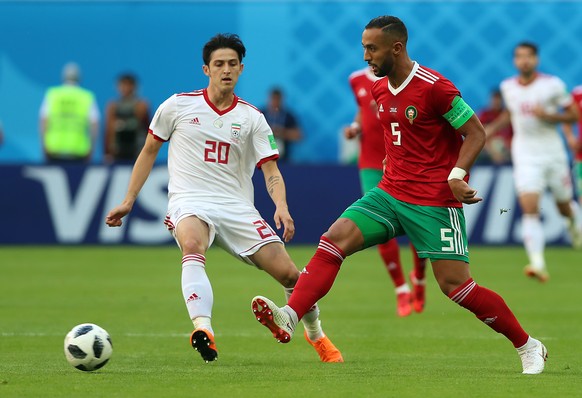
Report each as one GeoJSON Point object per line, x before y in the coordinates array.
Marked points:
{"type": "Point", "coordinates": [536, 103]}
{"type": "Point", "coordinates": [215, 142]}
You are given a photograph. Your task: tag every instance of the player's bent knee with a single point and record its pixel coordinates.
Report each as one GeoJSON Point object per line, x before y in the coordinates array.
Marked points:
{"type": "Point", "coordinates": [346, 235]}
{"type": "Point", "coordinates": [192, 245]}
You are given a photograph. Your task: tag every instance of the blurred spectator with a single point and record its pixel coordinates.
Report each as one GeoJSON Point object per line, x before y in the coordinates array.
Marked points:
{"type": "Point", "coordinates": [69, 119]}
{"type": "Point", "coordinates": [282, 122]}
{"type": "Point", "coordinates": [498, 146]}
{"type": "Point", "coordinates": [126, 122]}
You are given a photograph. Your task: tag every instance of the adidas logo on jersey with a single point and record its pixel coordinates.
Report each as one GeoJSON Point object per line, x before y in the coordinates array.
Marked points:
{"type": "Point", "coordinates": [381, 108]}
{"type": "Point", "coordinates": [195, 121]}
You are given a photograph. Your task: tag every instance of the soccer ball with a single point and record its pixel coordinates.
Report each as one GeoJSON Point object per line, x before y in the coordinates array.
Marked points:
{"type": "Point", "coordinates": [88, 347]}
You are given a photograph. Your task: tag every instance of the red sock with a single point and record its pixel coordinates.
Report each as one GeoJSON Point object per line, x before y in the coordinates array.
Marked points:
{"type": "Point", "coordinates": [390, 253]}
{"type": "Point", "coordinates": [317, 277]}
{"type": "Point", "coordinates": [490, 308]}
{"type": "Point", "coordinates": [419, 264]}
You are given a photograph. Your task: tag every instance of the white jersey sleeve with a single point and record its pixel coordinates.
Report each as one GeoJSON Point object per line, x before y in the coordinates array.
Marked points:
{"type": "Point", "coordinates": [264, 143]}
{"type": "Point", "coordinates": [163, 123]}
{"type": "Point", "coordinates": [563, 97]}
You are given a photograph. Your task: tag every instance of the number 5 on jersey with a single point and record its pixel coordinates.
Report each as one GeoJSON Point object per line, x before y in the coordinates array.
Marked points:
{"type": "Point", "coordinates": [396, 133]}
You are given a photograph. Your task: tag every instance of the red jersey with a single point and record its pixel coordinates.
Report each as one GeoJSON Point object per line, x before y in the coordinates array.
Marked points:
{"type": "Point", "coordinates": [488, 115]}
{"type": "Point", "coordinates": [372, 151]}
{"type": "Point", "coordinates": [577, 94]}
{"type": "Point", "coordinates": [421, 146]}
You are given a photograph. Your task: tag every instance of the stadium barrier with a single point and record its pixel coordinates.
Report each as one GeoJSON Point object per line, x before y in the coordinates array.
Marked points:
{"type": "Point", "coordinates": [68, 204]}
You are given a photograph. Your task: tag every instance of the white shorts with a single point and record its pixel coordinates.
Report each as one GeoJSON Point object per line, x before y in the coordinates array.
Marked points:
{"type": "Point", "coordinates": [239, 229]}
{"type": "Point", "coordinates": [535, 177]}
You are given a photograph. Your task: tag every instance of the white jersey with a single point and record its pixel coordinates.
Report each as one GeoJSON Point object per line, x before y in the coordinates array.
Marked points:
{"type": "Point", "coordinates": [212, 153]}
{"type": "Point", "coordinates": [534, 139]}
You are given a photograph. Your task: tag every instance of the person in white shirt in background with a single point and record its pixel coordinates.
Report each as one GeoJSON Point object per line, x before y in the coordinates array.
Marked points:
{"type": "Point", "coordinates": [536, 104]}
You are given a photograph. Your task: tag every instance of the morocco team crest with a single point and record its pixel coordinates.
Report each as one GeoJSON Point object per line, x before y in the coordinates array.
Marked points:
{"type": "Point", "coordinates": [411, 113]}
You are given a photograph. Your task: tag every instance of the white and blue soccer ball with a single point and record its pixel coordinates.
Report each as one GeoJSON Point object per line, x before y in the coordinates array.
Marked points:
{"type": "Point", "coordinates": [88, 347]}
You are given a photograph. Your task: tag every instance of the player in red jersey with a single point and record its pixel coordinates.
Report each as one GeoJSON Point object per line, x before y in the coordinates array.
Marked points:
{"type": "Point", "coordinates": [421, 194]}
{"type": "Point", "coordinates": [575, 143]}
{"type": "Point", "coordinates": [367, 127]}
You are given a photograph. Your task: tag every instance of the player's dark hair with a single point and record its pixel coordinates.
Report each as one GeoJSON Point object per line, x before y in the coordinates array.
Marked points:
{"type": "Point", "coordinates": [528, 44]}
{"type": "Point", "coordinates": [390, 25]}
{"type": "Point", "coordinates": [223, 40]}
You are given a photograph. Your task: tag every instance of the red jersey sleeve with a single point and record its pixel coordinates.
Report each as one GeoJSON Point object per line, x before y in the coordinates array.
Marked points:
{"type": "Point", "coordinates": [442, 95]}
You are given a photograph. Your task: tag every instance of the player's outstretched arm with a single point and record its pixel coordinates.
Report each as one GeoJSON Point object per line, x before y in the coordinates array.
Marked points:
{"type": "Point", "coordinates": [141, 170]}
{"type": "Point", "coordinates": [276, 189]}
{"type": "Point", "coordinates": [354, 129]}
{"type": "Point", "coordinates": [502, 121]}
{"type": "Point", "coordinates": [570, 114]}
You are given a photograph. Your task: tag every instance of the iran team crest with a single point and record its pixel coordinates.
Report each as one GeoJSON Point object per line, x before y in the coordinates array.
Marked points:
{"type": "Point", "coordinates": [411, 113]}
{"type": "Point", "coordinates": [235, 131]}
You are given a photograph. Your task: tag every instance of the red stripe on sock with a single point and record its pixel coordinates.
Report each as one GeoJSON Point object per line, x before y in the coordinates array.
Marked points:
{"type": "Point", "coordinates": [491, 309]}
{"type": "Point", "coordinates": [317, 277]}
{"type": "Point", "coordinates": [194, 257]}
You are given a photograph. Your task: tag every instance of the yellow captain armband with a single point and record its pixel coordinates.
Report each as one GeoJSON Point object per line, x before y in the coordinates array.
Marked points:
{"type": "Point", "coordinates": [460, 112]}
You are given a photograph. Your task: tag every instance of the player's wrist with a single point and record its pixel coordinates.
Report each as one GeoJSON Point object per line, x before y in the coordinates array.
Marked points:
{"type": "Point", "coordinates": [356, 125]}
{"type": "Point", "coordinates": [129, 201]}
{"type": "Point", "coordinates": [457, 173]}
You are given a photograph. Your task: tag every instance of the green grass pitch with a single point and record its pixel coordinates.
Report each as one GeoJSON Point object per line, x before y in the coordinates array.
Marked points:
{"type": "Point", "coordinates": [134, 293]}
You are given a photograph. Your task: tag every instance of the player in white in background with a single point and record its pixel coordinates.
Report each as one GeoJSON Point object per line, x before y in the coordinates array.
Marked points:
{"type": "Point", "coordinates": [575, 142]}
{"type": "Point", "coordinates": [536, 103]}
{"type": "Point", "coordinates": [215, 142]}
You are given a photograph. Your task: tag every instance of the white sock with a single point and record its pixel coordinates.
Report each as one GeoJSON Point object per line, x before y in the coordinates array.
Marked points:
{"type": "Point", "coordinates": [310, 320]}
{"type": "Point", "coordinates": [202, 322]}
{"type": "Point", "coordinates": [403, 289]}
{"type": "Point", "coordinates": [534, 240]}
{"type": "Point", "coordinates": [576, 220]}
{"type": "Point", "coordinates": [197, 290]}
{"type": "Point", "coordinates": [531, 342]}
{"type": "Point", "coordinates": [576, 210]}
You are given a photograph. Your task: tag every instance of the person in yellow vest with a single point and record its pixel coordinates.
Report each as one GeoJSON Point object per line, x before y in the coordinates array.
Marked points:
{"type": "Point", "coordinates": [69, 120]}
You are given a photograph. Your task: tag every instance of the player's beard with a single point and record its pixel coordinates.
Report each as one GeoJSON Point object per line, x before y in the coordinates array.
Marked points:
{"type": "Point", "coordinates": [383, 69]}
{"type": "Point", "coordinates": [527, 72]}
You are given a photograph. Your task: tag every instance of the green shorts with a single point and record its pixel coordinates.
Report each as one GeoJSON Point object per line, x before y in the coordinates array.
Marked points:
{"type": "Point", "coordinates": [437, 233]}
{"type": "Point", "coordinates": [369, 178]}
